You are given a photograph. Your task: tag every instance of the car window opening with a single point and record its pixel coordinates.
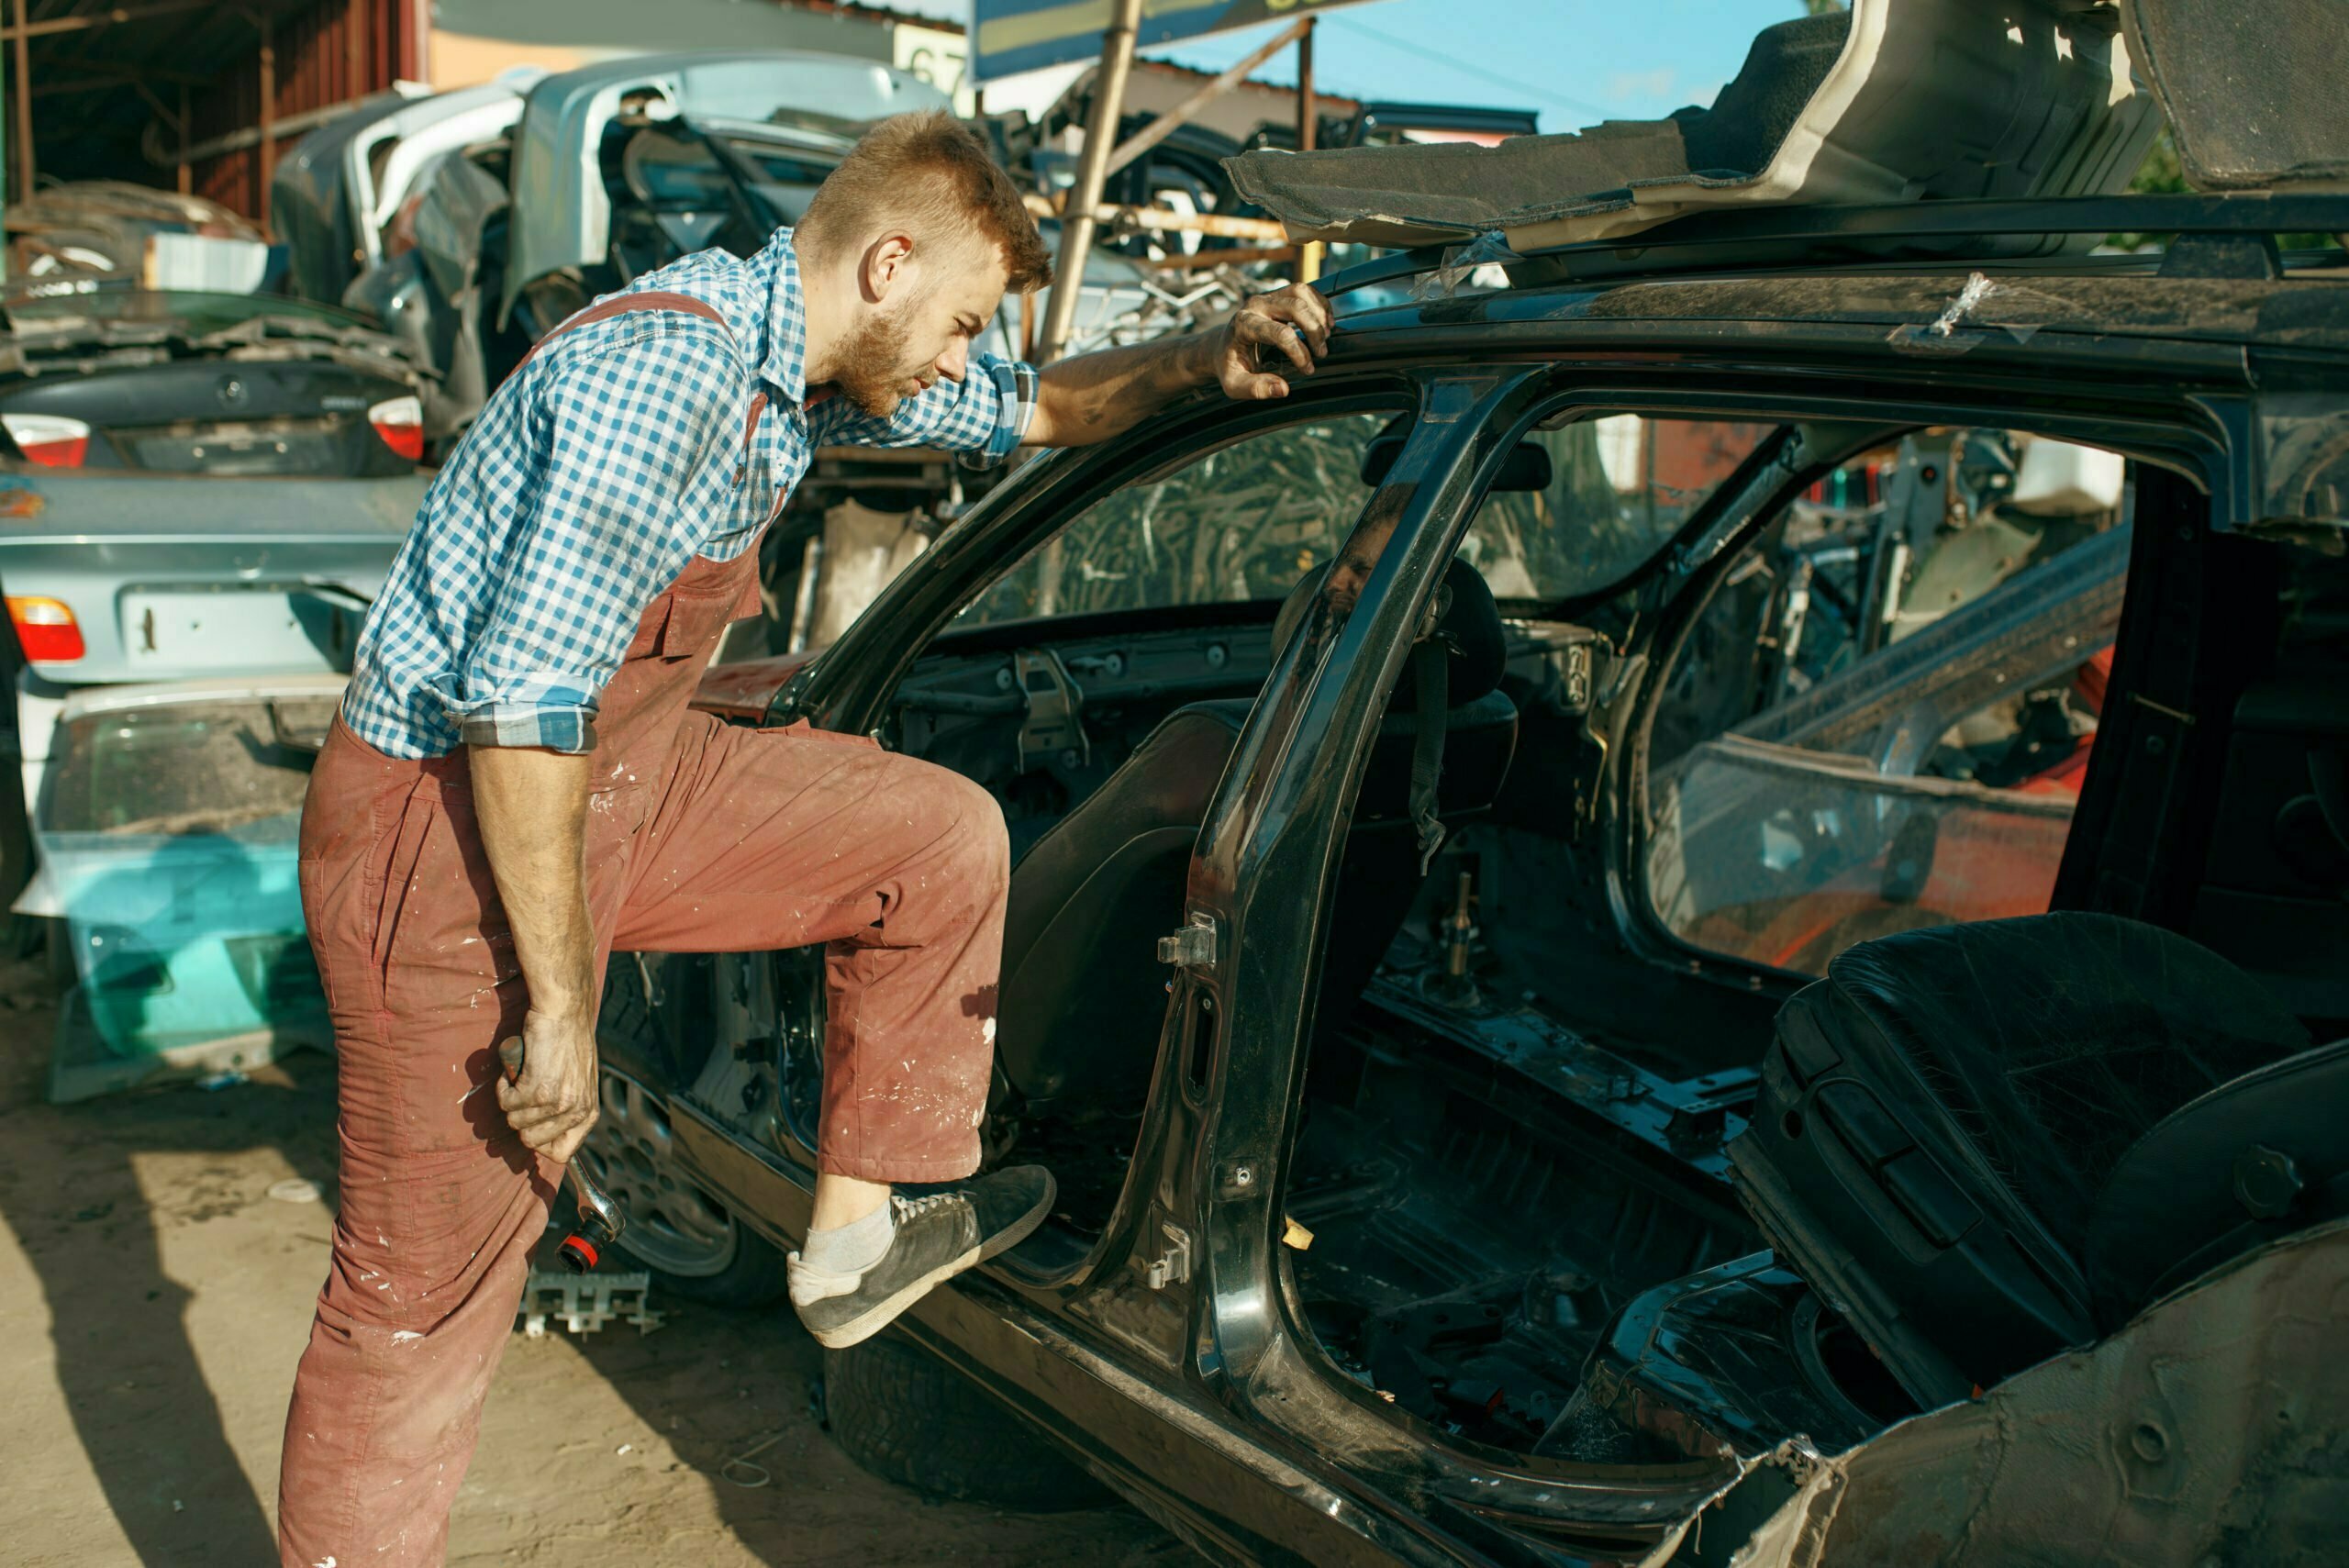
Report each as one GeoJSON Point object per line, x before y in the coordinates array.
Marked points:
{"type": "Point", "coordinates": [1473, 1240]}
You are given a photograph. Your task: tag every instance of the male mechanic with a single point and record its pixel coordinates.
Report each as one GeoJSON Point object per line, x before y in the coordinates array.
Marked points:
{"type": "Point", "coordinates": [516, 786]}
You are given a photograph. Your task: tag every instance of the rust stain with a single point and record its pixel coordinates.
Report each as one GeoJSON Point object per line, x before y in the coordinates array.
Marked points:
{"type": "Point", "coordinates": [22, 505]}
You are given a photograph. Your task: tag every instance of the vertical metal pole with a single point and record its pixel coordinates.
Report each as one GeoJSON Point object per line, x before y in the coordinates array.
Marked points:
{"type": "Point", "coordinates": [187, 171]}
{"type": "Point", "coordinates": [268, 122]}
{"type": "Point", "coordinates": [355, 46]}
{"type": "Point", "coordinates": [24, 110]}
{"type": "Point", "coordinates": [1092, 172]}
{"type": "Point", "coordinates": [1308, 130]}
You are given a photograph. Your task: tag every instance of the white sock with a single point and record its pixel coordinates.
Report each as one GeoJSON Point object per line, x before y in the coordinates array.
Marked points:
{"type": "Point", "coordinates": [832, 1260]}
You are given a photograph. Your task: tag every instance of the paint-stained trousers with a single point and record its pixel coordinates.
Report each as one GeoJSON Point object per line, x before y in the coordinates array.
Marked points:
{"type": "Point", "coordinates": [737, 840]}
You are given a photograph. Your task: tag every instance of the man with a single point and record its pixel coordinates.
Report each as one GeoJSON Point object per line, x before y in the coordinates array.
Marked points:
{"type": "Point", "coordinates": [517, 786]}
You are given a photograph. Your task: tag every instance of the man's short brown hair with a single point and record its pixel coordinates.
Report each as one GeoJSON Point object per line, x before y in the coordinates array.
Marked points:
{"type": "Point", "coordinates": [930, 173]}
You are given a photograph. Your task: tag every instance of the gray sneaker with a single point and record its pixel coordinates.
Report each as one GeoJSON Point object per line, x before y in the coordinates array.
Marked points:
{"type": "Point", "coordinates": [938, 1235]}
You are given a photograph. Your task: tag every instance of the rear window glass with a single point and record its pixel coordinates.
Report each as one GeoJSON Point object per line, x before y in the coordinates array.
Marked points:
{"type": "Point", "coordinates": [197, 767]}
{"type": "Point", "coordinates": [64, 303]}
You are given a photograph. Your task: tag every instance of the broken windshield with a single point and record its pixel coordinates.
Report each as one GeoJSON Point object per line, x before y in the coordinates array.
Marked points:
{"type": "Point", "coordinates": [1250, 519]}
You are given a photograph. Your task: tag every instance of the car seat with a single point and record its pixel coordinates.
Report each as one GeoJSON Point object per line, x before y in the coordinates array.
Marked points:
{"type": "Point", "coordinates": [1078, 1014]}
{"type": "Point", "coordinates": [1984, 1143]}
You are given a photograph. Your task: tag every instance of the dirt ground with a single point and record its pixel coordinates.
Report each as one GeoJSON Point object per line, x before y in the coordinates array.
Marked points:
{"type": "Point", "coordinates": [154, 1298]}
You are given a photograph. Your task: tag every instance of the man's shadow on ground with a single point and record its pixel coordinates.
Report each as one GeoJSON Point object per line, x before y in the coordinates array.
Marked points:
{"type": "Point", "coordinates": [141, 1402]}
{"type": "Point", "coordinates": [712, 1381]}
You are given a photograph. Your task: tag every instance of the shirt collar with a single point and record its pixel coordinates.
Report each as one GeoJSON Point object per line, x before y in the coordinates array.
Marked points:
{"type": "Point", "coordinates": [784, 363]}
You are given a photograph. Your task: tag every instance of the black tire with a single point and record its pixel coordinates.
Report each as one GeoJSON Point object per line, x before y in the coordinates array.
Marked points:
{"type": "Point", "coordinates": [907, 1417]}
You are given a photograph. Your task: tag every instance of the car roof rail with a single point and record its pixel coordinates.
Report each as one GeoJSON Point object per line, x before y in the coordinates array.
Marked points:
{"type": "Point", "coordinates": [1942, 233]}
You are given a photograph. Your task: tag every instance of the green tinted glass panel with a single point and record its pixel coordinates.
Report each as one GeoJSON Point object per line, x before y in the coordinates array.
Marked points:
{"type": "Point", "coordinates": [1246, 521]}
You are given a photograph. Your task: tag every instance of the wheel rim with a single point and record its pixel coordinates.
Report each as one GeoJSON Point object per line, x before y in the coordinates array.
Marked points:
{"type": "Point", "coordinates": [672, 1224]}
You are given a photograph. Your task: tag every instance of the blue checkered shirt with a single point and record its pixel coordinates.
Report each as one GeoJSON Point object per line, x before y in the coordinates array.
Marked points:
{"type": "Point", "coordinates": [591, 478]}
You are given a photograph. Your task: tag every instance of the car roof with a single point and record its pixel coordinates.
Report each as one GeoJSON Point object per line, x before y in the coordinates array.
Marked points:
{"type": "Point", "coordinates": [2222, 276]}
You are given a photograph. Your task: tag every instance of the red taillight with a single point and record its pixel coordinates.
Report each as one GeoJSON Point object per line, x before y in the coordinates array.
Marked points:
{"type": "Point", "coordinates": [46, 631]}
{"type": "Point", "coordinates": [49, 439]}
{"type": "Point", "coordinates": [400, 421]}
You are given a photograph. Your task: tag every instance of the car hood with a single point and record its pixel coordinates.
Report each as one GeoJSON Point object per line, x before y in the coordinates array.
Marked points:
{"type": "Point", "coordinates": [305, 194]}
{"type": "Point", "coordinates": [55, 334]}
{"type": "Point", "coordinates": [1887, 102]}
{"type": "Point", "coordinates": [562, 216]}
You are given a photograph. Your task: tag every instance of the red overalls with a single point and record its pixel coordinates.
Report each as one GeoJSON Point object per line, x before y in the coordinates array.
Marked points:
{"type": "Point", "coordinates": [702, 837]}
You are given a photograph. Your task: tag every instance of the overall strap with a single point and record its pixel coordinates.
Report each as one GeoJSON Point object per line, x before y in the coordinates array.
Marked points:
{"type": "Point", "coordinates": [655, 299]}
{"type": "Point", "coordinates": [620, 304]}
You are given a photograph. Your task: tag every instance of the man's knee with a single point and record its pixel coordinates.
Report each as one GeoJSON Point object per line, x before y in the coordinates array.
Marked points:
{"type": "Point", "coordinates": [962, 819]}
{"type": "Point", "coordinates": [980, 827]}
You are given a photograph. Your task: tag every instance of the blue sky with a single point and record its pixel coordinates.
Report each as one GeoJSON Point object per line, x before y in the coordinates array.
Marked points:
{"type": "Point", "coordinates": [1576, 61]}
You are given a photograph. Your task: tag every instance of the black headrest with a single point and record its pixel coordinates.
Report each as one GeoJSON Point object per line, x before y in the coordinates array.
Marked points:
{"type": "Point", "coordinates": [1470, 627]}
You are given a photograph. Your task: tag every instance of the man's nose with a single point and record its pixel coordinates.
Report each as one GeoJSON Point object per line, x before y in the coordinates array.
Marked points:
{"type": "Point", "coordinates": [954, 360]}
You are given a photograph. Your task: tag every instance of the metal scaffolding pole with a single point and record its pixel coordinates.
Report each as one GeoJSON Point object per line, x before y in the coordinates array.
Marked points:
{"type": "Point", "coordinates": [1100, 132]}
{"type": "Point", "coordinates": [1308, 126]}
{"type": "Point", "coordinates": [24, 110]}
{"type": "Point", "coordinates": [268, 121]}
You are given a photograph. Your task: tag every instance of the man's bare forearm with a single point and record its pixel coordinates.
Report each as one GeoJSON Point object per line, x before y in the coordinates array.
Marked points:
{"type": "Point", "coordinates": [533, 810]}
{"type": "Point", "coordinates": [1094, 396]}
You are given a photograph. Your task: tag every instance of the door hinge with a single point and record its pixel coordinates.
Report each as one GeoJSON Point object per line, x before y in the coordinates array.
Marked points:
{"type": "Point", "coordinates": [1051, 730]}
{"type": "Point", "coordinates": [1174, 1266]}
{"type": "Point", "coordinates": [1193, 945]}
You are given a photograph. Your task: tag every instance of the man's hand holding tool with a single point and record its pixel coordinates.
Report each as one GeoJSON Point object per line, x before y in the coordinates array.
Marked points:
{"type": "Point", "coordinates": [551, 1104]}
{"type": "Point", "coordinates": [600, 1221]}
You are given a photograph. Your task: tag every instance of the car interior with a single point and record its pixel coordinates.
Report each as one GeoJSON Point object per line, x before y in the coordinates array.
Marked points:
{"type": "Point", "coordinates": [1577, 1185]}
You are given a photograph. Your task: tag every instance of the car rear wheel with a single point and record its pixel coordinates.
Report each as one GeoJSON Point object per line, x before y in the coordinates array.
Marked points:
{"type": "Point", "coordinates": [907, 1417]}
{"type": "Point", "coordinates": [689, 1241]}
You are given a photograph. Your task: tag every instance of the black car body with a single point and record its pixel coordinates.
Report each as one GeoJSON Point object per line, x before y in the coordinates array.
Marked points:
{"type": "Point", "coordinates": [1865, 579]}
{"type": "Point", "coordinates": [102, 375]}
{"type": "Point", "coordinates": [1497, 1177]}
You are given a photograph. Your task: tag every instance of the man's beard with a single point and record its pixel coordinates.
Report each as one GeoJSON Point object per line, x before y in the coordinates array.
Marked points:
{"type": "Point", "coordinates": [869, 376]}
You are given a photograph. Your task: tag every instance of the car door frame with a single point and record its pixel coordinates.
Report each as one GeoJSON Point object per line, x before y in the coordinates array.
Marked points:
{"type": "Point", "coordinates": [1282, 813]}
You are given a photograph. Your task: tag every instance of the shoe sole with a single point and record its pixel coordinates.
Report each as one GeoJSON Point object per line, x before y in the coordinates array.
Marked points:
{"type": "Point", "coordinates": [863, 1327]}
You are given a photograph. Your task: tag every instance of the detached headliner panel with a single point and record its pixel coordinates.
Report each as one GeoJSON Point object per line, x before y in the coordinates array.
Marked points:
{"type": "Point", "coordinates": [2252, 92]}
{"type": "Point", "coordinates": [1889, 102]}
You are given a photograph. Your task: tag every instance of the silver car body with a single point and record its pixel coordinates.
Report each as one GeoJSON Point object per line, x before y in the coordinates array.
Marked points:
{"type": "Point", "coordinates": [562, 214]}
{"type": "Point", "coordinates": [221, 579]}
{"type": "Point", "coordinates": [418, 133]}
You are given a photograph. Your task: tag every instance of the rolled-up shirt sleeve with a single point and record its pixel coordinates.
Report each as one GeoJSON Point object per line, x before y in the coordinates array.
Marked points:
{"type": "Point", "coordinates": [983, 417]}
{"type": "Point", "coordinates": [628, 444]}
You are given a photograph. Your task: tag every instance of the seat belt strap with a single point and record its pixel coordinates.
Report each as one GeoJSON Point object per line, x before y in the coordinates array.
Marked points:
{"type": "Point", "coordinates": [1431, 672]}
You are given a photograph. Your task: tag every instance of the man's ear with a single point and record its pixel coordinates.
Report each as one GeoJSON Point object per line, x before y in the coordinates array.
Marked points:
{"type": "Point", "coordinates": [886, 261]}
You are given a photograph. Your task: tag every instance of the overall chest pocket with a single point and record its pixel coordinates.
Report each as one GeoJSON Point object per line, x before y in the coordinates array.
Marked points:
{"type": "Point", "coordinates": [687, 620]}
